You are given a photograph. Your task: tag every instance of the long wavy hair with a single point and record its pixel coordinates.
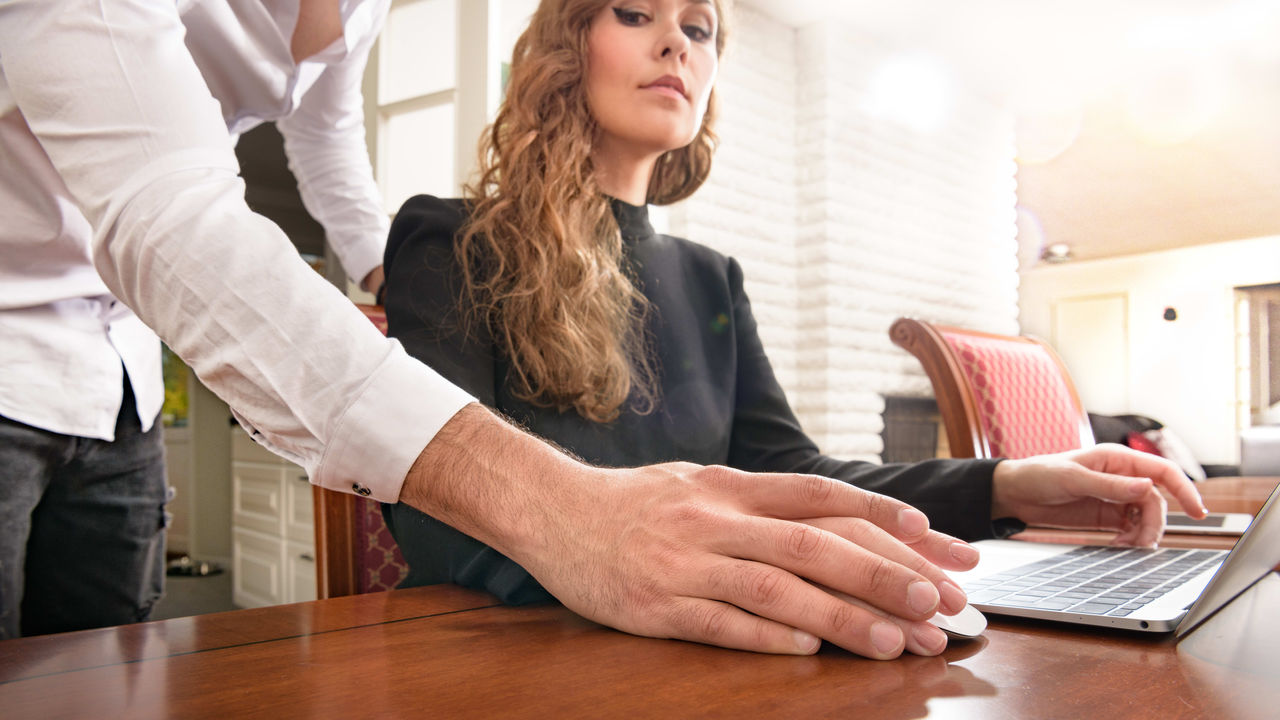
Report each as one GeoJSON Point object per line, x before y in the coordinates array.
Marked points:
{"type": "Point", "coordinates": [541, 253]}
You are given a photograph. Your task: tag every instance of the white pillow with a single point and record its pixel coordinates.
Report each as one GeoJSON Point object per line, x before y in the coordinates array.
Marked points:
{"type": "Point", "coordinates": [1172, 447]}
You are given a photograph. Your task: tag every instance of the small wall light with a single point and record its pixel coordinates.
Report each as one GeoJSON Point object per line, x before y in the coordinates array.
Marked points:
{"type": "Point", "coordinates": [1056, 253]}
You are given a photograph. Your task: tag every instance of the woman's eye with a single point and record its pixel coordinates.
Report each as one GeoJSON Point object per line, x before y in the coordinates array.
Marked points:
{"type": "Point", "coordinates": [628, 17]}
{"type": "Point", "coordinates": [697, 33]}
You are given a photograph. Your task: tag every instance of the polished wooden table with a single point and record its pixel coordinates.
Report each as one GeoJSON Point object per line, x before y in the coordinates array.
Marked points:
{"type": "Point", "coordinates": [447, 652]}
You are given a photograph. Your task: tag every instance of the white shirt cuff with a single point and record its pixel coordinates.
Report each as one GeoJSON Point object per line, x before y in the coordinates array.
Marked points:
{"type": "Point", "coordinates": [384, 431]}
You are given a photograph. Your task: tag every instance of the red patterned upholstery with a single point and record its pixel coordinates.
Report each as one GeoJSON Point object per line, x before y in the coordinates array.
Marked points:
{"type": "Point", "coordinates": [1023, 402]}
{"type": "Point", "coordinates": [379, 564]}
{"type": "Point", "coordinates": [999, 396]}
{"type": "Point", "coordinates": [354, 549]}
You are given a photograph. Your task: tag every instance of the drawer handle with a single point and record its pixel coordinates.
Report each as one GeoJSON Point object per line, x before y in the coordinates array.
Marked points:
{"type": "Point", "coordinates": [304, 478]}
{"type": "Point", "coordinates": [306, 556]}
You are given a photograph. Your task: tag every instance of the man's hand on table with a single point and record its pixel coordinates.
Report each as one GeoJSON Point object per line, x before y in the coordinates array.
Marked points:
{"type": "Point", "coordinates": [707, 554]}
{"type": "Point", "coordinates": [1105, 487]}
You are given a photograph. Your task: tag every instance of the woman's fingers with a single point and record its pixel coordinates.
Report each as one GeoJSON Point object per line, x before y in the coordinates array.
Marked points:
{"type": "Point", "coordinates": [1107, 487]}
{"type": "Point", "coordinates": [1141, 523]}
{"type": "Point", "coordinates": [1123, 474]}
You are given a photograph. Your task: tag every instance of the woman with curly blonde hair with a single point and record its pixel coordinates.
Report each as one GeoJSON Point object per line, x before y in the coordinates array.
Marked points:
{"type": "Point", "coordinates": [547, 295]}
{"type": "Point", "coordinates": [541, 254]}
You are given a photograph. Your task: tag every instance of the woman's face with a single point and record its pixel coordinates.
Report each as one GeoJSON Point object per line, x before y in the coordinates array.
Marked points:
{"type": "Point", "coordinates": [650, 69]}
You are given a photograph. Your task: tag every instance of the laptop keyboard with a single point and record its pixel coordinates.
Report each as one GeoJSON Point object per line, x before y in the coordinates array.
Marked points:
{"type": "Point", "coordinates": [1093, 580]}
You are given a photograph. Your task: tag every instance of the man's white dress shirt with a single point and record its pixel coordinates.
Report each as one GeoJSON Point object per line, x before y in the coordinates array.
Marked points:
{"type": "Point", "coordinates": [115, 155]}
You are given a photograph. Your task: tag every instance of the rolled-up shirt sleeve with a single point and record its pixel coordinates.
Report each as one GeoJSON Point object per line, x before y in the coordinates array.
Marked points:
{"type": "Point", "coordinates": [112, 94]}
{"type": "Point", "coordinates": [324, 139]}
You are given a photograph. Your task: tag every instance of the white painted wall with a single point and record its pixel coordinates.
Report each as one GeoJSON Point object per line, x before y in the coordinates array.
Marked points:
{"type": "Point", "coordinates": [1181, 373]}
{"type": "Point", "coordinates": [851, 201]}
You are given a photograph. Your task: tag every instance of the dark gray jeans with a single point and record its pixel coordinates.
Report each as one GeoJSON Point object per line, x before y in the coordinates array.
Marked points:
{"type": "Point", "coordinates": [81, 526]}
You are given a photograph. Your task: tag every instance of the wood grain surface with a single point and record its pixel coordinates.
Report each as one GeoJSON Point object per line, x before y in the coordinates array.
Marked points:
{"type": "Point", "coordinates": [446, 652]}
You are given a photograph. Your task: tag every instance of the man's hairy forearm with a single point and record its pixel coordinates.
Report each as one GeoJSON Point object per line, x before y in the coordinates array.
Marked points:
{"type": "Point", "coordinates": [490, 480]}
{"type": "Point", "coordinates": [701, 553]}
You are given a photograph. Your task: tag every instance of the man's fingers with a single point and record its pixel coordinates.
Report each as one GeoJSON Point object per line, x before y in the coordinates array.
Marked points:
{"type": "Point", "coordinates": [722, 624]}
{"type": "Point", "coordinates": [859, 568]}
{"type": "Point", "coordinates": [804, 496]}
{"type": "Point", "coordinates": [876, 567]}
{"type": "Point", "coordinates": [855, 545]}
{"type": "Point", "coordinates": [721, 556]}
{"type": "Point", "coordinates": [927, 556]}
{"type": "Point", "coordinates": [770, 592]}
{"type": "Point", "coordinates": [922, 638]}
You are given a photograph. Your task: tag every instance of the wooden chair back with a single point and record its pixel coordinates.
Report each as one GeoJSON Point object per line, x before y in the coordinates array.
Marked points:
{"type": "Point", "coordinates": [355, 552]}
{"type": "Point", "coordinates": [999, 395]}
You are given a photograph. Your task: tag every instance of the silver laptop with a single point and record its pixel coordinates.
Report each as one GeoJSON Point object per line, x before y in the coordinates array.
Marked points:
{"type": "Point", "coordinates": [1131, 588]}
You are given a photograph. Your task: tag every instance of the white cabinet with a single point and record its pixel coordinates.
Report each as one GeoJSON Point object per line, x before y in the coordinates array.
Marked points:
{"type": "Point", "coordinates": [273, 531]}
{"type": "Point", "coordinates": [257, 565]}
{"type": "Point", "coordinates": [300, 572]}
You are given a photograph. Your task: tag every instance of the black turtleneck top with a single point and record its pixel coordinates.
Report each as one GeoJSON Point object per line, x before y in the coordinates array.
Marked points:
{"type": "Point", "coordinates": [719, 402]}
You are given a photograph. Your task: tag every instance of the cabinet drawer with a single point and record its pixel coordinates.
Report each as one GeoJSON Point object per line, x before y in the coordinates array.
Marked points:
{"type": "Point", "coordinates": [257, 569]}
{"type": "Point", "coordinates": [257, 497]}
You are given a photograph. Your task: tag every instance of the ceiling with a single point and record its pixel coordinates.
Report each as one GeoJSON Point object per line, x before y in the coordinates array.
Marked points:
{"type": "Point", "coordinates": [1142, 124]}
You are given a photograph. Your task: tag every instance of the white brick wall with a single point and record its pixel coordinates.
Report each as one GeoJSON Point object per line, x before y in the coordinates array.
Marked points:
{"type": "Point", "coordinates": [844, 220]}
{"type": "Point", "coordinates": [748, 207]}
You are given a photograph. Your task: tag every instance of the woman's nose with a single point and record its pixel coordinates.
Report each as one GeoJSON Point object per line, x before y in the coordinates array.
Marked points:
{"type": "Point", "coordinates": [674, 43]}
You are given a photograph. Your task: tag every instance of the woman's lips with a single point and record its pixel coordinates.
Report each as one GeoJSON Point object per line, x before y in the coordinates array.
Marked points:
{"type": "Point", "coordinates": [668, 85]}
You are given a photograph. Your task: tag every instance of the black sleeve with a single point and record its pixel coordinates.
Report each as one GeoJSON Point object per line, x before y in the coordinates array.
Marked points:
{"type": "Point", "coordinates": [767, 437]}
{"type": "Point", "coordinates": [423, 289]}
{"type": "Point", "coordinates": [422, 303]}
